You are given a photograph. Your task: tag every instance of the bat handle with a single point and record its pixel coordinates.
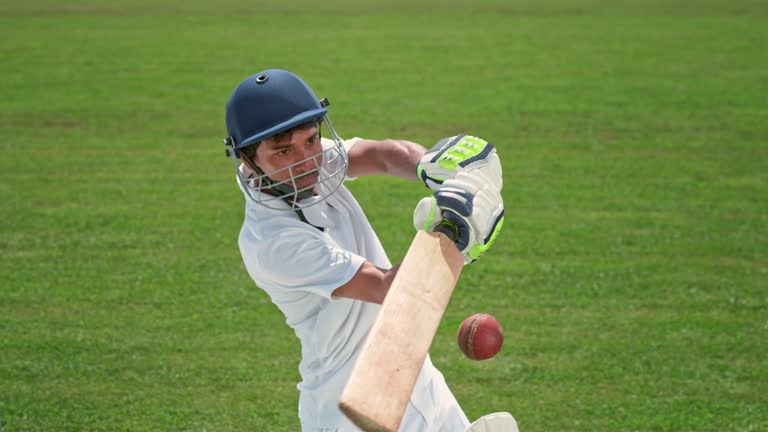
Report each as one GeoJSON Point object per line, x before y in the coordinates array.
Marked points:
{"type": "Point", "coordinates": [448, 230]}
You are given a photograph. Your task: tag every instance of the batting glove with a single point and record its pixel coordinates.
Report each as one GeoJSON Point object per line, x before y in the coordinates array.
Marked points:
{"type": "Point", "coordinates": [456, 154]}
{"type": "Point", "coordinates": [468, 209]}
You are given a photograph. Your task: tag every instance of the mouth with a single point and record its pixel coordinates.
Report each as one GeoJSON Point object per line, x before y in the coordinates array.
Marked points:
{"type": "Point", "coordinates": [305, 180]}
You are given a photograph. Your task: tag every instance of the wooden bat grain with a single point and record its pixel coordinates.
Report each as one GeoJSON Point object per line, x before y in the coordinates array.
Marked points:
{"type": "Point", "coordinates": [378, 390]}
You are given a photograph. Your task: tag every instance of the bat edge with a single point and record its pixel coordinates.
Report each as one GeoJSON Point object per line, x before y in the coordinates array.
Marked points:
{"type": "Point", "coordinates": [362, 421]}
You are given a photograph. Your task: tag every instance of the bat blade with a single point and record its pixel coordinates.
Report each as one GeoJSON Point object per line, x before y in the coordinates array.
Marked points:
{"type": "Point", "coordinates": [378, 390]}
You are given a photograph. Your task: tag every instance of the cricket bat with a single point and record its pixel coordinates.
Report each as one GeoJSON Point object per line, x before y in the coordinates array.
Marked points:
{"type": "Point", "coordinates": [382, 380]}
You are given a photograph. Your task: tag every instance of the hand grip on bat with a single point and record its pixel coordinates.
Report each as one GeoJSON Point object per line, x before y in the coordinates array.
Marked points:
{"type": "Point", "coordinates": [472, 209]}
{"type": "Point", "coordinates": [448, 230]}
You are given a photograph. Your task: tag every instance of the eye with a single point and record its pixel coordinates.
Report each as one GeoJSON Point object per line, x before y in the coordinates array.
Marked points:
{"type": "Point", "coordinates": [282, 152]}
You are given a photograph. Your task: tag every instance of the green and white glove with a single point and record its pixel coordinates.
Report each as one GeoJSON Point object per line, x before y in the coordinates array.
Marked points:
{"type": "Point", "coordinates": [470, 207]}
{"type": "Point", "coordinates": [456, 154]}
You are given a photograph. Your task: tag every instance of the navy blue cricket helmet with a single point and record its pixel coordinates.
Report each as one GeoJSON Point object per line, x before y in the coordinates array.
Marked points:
{"type": "Point", "coordinates": [268, 103]}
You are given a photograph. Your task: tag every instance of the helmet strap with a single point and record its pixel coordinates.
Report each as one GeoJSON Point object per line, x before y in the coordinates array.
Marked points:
{"type": "Point", "coordinates": [303, 218]}
{"type": "Point", "coordinates": [278, 188]}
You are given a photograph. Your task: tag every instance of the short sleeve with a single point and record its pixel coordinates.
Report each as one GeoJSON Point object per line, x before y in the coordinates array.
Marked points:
{"type": "Point", "coordinates": [298, 260]}
{"type": "Point", "coordinates": [328, 143]}
{"type": "Point", "coordinates": [350, 142]}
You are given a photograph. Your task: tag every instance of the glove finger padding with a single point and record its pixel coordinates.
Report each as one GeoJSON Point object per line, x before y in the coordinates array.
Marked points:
{"type": "Point", "coordinates": [456, 154]}
{"type": "Point", "coordinates": [486, 222]}
{"type": "Point", "coordinates": [456, 195]}
{"type": "Point", "coordinates": [474, 209]}
{"type": "Point", "coordinates": [457, 205]}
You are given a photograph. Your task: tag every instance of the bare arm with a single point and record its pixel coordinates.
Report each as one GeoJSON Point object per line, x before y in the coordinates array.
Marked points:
{"type": "Point", "coordinates": [371, 157]}
{"type": "Point", "coordinates": [370, 284]}
{"type": "Point", "coordinates": [393, 157]}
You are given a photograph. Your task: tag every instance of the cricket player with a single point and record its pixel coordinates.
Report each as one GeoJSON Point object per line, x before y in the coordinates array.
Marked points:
{"type": "Point", "coordinates": [307, 243]}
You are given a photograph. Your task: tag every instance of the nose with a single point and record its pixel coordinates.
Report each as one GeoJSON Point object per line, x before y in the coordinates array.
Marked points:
{"type": "Point", "coordinates": [307, 160]}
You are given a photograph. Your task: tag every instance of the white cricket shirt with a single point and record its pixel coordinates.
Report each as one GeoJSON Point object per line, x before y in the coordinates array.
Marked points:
{"type": "Point", "coordinates": [299, 266]}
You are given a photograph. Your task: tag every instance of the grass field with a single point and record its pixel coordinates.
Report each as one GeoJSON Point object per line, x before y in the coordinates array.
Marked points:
{"type": "Point", "coordinates": [631, 277]}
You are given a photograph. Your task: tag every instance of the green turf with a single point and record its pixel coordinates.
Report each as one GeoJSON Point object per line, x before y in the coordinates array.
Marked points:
{"type": "Point", "coordinates": [631, 276]}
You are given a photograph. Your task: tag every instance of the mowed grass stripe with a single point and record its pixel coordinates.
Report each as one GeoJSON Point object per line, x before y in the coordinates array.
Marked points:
{"type": "Point", "coordinates": [630, 277]}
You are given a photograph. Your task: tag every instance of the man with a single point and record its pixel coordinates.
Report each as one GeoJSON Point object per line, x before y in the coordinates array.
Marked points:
{"type": "Point", "coordinates": [307, 243]}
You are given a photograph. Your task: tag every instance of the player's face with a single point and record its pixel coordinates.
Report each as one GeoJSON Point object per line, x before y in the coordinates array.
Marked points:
{"type": "Point", "coordinates": [299, 155]}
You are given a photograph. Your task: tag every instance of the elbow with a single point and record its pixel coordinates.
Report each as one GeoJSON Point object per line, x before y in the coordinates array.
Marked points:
{"type": "Point", "coordinates": [369, 284]}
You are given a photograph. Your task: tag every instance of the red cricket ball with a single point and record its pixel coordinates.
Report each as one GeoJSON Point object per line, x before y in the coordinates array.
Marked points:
{"type": "Point", "coordinates": [480, 336]}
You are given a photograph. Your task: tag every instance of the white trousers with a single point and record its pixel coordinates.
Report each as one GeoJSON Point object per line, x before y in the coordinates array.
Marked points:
{"type": "Point", "coordinates": [432, 408]}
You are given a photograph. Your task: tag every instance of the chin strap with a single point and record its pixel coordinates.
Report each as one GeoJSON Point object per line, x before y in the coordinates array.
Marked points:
{"type": "Point", "coordinates": [303, 218]}
{"type": "Point", "coordinates": [257, 171]}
